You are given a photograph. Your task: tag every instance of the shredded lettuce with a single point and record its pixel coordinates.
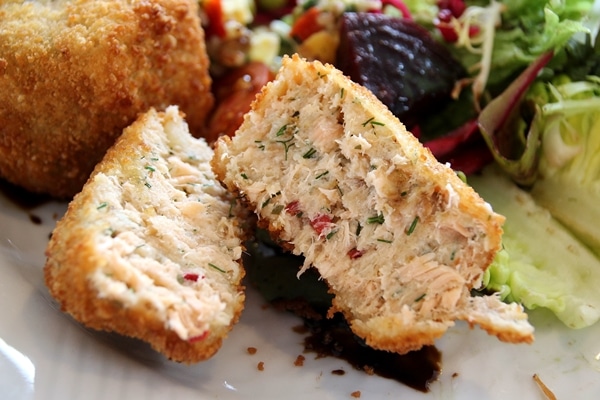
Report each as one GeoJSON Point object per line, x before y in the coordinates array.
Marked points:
{"type": "Point", "coordinates": [569, 170]}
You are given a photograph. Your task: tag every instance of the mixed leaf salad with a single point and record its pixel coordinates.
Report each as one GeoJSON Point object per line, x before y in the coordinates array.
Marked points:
{"type": "Point", "coordinates": [507, 92]}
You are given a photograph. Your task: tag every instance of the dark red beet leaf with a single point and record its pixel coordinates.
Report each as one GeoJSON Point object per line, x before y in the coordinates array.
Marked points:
{"type": "Point", "coordinates": [398, 60]}
{"type": "Point", "coordinates": [497, 123]}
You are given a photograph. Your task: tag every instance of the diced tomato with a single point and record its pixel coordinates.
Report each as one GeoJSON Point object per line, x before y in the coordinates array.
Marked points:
{"type": "Point", "coordinates": [216, 23]}
{"type": "Point", "coordinates": [306, 25]}
{"type": "Point", "coordinates": [322, 223]}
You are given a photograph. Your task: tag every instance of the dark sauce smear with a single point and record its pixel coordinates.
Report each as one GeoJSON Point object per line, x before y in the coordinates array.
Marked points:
{"type": "Point", "coordinates": [273, 272]}
{"type": "Point", "coordinates": [332, 337]}
{"type": "Point", "coordinates": [24, 199]}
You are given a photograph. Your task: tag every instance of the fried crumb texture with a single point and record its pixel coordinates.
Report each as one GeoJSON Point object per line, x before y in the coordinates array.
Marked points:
{"type": "Point", "coordinates": [74, 74]}
{"type": "Point", "coordinates": [299, 361]}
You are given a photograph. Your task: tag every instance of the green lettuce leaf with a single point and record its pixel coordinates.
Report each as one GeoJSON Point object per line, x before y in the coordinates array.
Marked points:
{"type": "Point", "coordinates": [569, 170]}
{"type": "Point", "coordinates": [542, 264]}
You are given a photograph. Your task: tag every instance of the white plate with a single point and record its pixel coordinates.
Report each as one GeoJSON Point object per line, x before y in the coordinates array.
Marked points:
{"type": "Point", "coordinates": [46, 355]}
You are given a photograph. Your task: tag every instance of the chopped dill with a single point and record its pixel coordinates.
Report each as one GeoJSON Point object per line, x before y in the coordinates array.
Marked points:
{"type": "Point", "coordinates": [215, 267]}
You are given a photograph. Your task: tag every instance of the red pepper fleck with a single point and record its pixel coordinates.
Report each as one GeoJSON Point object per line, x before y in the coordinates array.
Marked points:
{"type": "Point", "coordinates": [293, 208]}
{"type": "Point", "coordinates": [191, 277]}
{"type": "Point", "coordinates": [355, 253]}
{"type": "Point", "coordinates": [322, 223]}
{"type": "Point", "coordinates": [447, 31]}
{"type": "Point", "coordinates": [198, 338]}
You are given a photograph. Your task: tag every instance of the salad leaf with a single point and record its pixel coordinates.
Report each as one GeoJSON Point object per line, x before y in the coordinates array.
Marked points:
{"type": "Point", "coordinates": [557, 272]}
{"type": "Point", "coordinates": [569, 182]}
{"type": "Point", "coordinates": [528, 29]}
{"type": "Point", "coordinates": [498, 125]}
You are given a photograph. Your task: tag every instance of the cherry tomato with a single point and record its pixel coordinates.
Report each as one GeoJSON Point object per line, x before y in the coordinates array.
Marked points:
{"type": "Point", "coordinates": [234, 93]}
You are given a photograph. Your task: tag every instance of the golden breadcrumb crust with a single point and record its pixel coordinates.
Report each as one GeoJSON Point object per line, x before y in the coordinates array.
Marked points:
{"type": "Point", "coordinates": [75, 73]}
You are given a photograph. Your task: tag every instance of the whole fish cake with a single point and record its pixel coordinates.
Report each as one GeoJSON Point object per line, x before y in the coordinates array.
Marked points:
{"type": "Point", "coordinates": [75, 73]}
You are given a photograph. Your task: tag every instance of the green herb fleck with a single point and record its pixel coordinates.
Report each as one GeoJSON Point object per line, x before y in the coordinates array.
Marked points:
{"type": "Point", "coordinates": [372, 122]}
{"type": "Point", "coordinates": [215, 267]}
{"type": "Point", "coordinates": [266, 202]}
{"type": "Point", "coordinates": [231, 205]}
{"type": "Point", "coordinates": [378, 219]}
{"type": "Point", "coordinates": [281, 130]}
{"type": "Point", "coordinates": [286, 145]}
{"type": "Point", "coordinates": [148, 185]}
{"type": "Point", "coordinates": [277, 209]}
{"type": "Point", "coordinates": [384, 240]}
{"type": "Point", "coordinates": [358, 229]}
{"type": "Point", "coordinates": [412, 226]}
{"type": "Point", "coordinates": [321, 175]}
{"type": "Point", "coordinates": [342, 93]}
{"type": "Point", "coordinates": [330, 235]}
{"type": "Point", "coordinates": [421, 297]}
{"type": "Point", "coordinates": [260, 144]}
{"type": "Point", "coordinates": [150, 168]}
{"type": "Point", "coordinates": [102, 205]}
{"type": "Point", "coordinates": [244, 176]}
{"type": "Point", "coordinates": [311, 152]}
